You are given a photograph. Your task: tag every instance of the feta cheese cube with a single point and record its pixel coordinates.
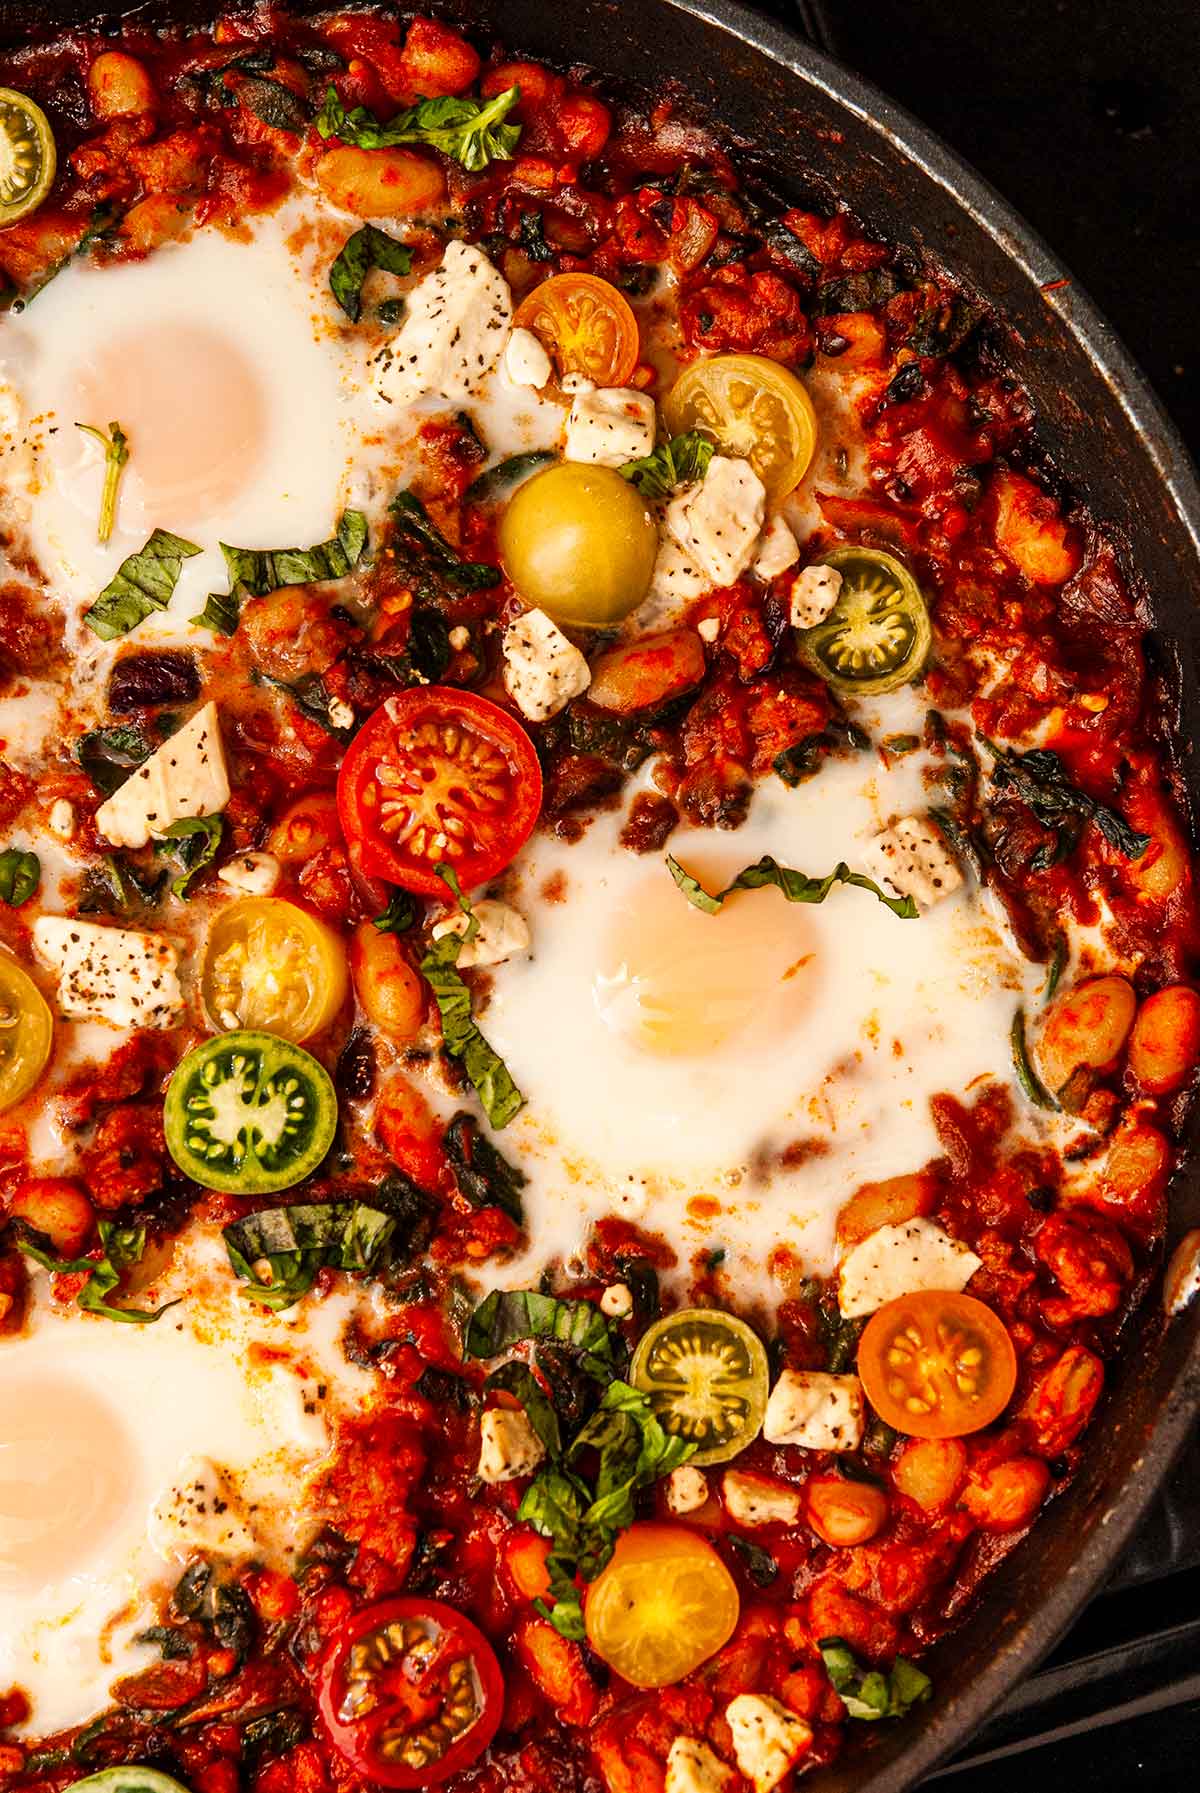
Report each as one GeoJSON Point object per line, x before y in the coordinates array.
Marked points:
{"type": "Point", "coordinates": [202, 1510]}
{"type": "Point", "coordinates": [508, 1446]}
{"type": "Point", "coordinates": [718, 522]}
{"type": "Point", "coordinates": [694, 1768]}
{"type": "Point", "coordinates": [617, 1301]}
{"type": "Point", "coordinates": [815, 591]}
{"type": "Point", "coordinates": [542, 669]}
{"type": "Point", "coordinates": [897, 1260]}
{"type": "Point", "coordinates": [687, 1490]}
{"type": "Point", "coordinates": [778, 550]}
{"type": "Point", "coordinates": [768, 1739]}
{"type": "Point", "coordinates": [914, 859]}
{"type": "Point", "coordinates": [708, 628]}
{"type": "Point", "coordinates": [454, 331]}
{"type": "Point", "coordinates": [184, 777]}
{"type": "Point", "coordinates": [61, 820]}
{"type": "Point", "coordinates": [251, 874]}
{"type": "Point", "coordinates": [816, 1411]}
{"type": "Point", "coordinates": [610, 425]}
{"type": "Point", "coordinates": [759, 1500]}
{"type": "Point", "coordinates": [503, 932]}
{"type": "Point", "coordinates": [110, 974]}
{"type": "Point", "coordinates": [526, 362]}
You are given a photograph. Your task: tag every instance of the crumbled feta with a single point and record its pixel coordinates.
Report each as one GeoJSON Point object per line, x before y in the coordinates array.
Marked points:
{"type": "Point", "coordinates": [815, 591]}
{"type": "Point", "coordinates": [778, 550]}
{"type": "Point", "coordinates": [717, 523]}
{"type": "Point", "coordinates": [757, 1500]}
{"type": "Point", "coordinates": [914, 859]}
{"type": "Point", "coordinates": [459, 637]}
{"type": "Point", "coordinates": [768, 1738]}
{"type": "Point", "coordinates": [610, 425]}
{"type": "Point", "coordinates": [508, 1445]}
{"type": "Point", "coordinates": [61, 820]}
{"type": "Point", "coordinates": [526, 362]}
{"type": "Point", "coordinates": [542, 669]}
{"type": "Point", "coordinates": [251, 874]}
{"type": "Point", "coordinates": [503, 932]}
{"type": "Point", "coordinates": [687, 1490]}
{"type": "Point", "coordinates": [201, 1511]}
{"type": "Point", "coordinates": [110, 974]}
{"type": "Point", "coordinates": [341, 714]}
{"type": "Point", "coordinates": [617, 1301]}
{"type": "Point", "coordinates": [184, 777]}
{"type": "Point", "coordinates": [693, 1768]}
{"type": "Point", "coordinates": [816, 1411]}
{"type": "Point", "coordinates": [897, 1260]}
{"type": "Point", "coordinates": [454, 331]}
{"type": "Point", "coordinates": [708, 628]}
{"type": "Point", "coordinates": [576, 383]}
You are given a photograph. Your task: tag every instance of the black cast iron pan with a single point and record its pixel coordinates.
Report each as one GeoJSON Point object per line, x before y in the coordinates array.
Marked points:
{"type": "Point", "coordinates": [813, 122]}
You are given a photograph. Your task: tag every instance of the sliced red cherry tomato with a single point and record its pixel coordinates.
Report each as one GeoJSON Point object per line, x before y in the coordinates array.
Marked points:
{"type": "Point", "coordinates": [411, 1693]}
{"type": "Point", "coordinates": [937, 1364]}
{"type": "Point", "coordinates": [439, 777]}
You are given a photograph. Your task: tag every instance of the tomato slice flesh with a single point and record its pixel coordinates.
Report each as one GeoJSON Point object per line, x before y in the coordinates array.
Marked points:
{"type": "Point", "coordinates": [439, 777]}
{"type": "Point", "coordinates": [411, 1693]}
{"type": "Point", "coordinates": [937, 1364]}
{"type": "Point", "coordinates": [664, 1604]}
{"type": "Point", "coordinates": [586, 324]}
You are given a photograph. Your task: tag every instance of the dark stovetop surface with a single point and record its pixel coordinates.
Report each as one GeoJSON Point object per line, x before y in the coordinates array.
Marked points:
{"type": "Point", "coordinates": [1084, 114]}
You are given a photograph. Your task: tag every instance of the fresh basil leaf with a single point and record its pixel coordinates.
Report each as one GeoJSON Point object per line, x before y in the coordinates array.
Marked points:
{"type": "Point", "coordinates": [532, 237]}
{"type": "Point", "coordinates": [311, 699]}
{"type": "Point", "coordinates": [273, 103]}
{"type": "Point", "coordinates": [506, 1316]}
{"type": "Point", "coordinates": [115, 885]}
{"type": "Point", "coordinates": [804, 758]}
{"type": "Point", "coordinates": [1039, 779]}
{"type": "Point", "coordinates": [296, 1242]}
{"type": "Point", "coordinates": [416, 531]}
{"type": "Point", "coordinates": [368, 248]}
{"type": "Point", "coordinates": [399, 916]}
{"type": "Point", "coordinates": [675, 463]}
{"type": "Point", "coordinates": [254, 572]}
{"type": "Point", "coordinates": [516, 1378]}
{"type": "Point", "coordinates": [122, 1246]}
{"type": "Point", "coordinates": [871, 1694]}
{"type": "Point", "coordinates": [503, 479]}
{"type": "Point", "coordinates": [760, 1566]}
{"type": "Point", "coordinates": [486, 1071]}
{"type": "Point", "coordinates": [482, 1172]}
{"type": "Point", "coordinates": [796, 886]}
{"type": "Point", "coordinates": [199, 839]}
{"type": "Point", "coordinates": [116, 452]}
{"type": "Point", "coordinates": [20, 875]}
{"type": "Point", "coordinates": [471, 132]}
{"type": "Point", "coordinates": [109, 755]}
{"type": "Point", "coordinates": [1058, 960]}
{"type": "Point", "coordinates": [1027, 1077]}
{"type": "Point", "coordinates": [141, 584]}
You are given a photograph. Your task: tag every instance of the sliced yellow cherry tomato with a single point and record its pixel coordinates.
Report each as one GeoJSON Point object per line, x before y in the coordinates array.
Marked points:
{"type": "Point", "coordinates": [706, 1375]}
{"type": "Point", "coordinates": [937, 1364]}
{"type": "Point", "coordinates": [754, 408]}
{"type": "Point", "coordinates": [27, 155]}
{"type": "Point", "coordinates": [274, 968]}
{"type": "Point", "coordinates": [26, 1032]}
{"type": "Point", "coordinates": [877, 635]}
{"type": "Point", "coordinates": [578, 542]}
{"type": "Point", "coordinates": [664, 1604]}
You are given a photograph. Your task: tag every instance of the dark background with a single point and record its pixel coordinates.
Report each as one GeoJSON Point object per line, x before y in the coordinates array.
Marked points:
{"type": "Point", "coordinates": [1085, 115]}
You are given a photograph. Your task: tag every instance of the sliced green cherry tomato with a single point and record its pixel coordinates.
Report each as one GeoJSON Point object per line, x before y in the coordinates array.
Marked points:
{"type": "Point", "coordinates": [131, 1780]}
{"type": "Point", "coordinates": [706, 1375]}
{"type": "Point", "coordinates": [411, 1693]}
{"type": "Point", "coordinates": [877, 635]}
{"type": "Point", "coordinates": [249, 1113]}
{"type": "Point", "coordinates": [26, 1032]}
{"type": "Point", "coordinates": [27, 155]}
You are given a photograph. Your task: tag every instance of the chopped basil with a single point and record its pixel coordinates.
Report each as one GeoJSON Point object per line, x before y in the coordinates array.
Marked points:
{"type": "Point", "coordinates": [486, 1071]}
{"type": "Point", "coordinates": [1038, 778]}
{"type": "Point", "coordinates": [368, 248]}
{"type": "Point", "coordinates": [123, 1246]}
{"type": "Point", "coordinates": [20, 875]}
{"type": "Point", "coordinates": [1027, 1077]}
{"type": "Point", "coordinates": [897, 745]}
{"type": "Point", "coordinates": [468, 131]}
{"type": "Point", "coordinates": [253, 572]}
{"type": "Point", "coordinates": [516, 1378]}
{"type": "Point", "coordinates": [109, 755]}
{"type": "Point", "coordinates": [675, 463]}
{"type": "Point", "coordinates": [796, 886]}
{"type": "Point", "coordinates": [116, 453]}
{"type": "Point", "coordinates": [483, 1173]}
{"type": "Point", "coordinates": [864, 291]}
{"type": "Point", "coordinates": [760, 1566]}
{"type": "Point", "coordinates": [199, 838]}
{"type": "Point", "coordinates": [273, 103]}
{"type": "Point", "coordinates": [1058, 962]}
{"type": "Point", "coordinates": [503, 479]}
{"type": "Point", "coordinates": [415, 531]}
{"type": "Point", "coordinates": [507, 1316]}
{"type": "Point", "coordinates": [311, 699]}
{"type": "Point", "coordinates": [804, 758]}
{"type": "Point", "coordinates": [295, 1242]}
{"type": "Point", "coordinates": [141, 584]}
{"type": "Point", "coordinates": [871, 1694]}
{"type": "Point", "coordinates": [116, 885]}
{"type": "Point", "coordinates": [101, 228]}
{"type": "Point", "coordinates": [399, 916]}
{"type": "Point", "coordinates": [532, 237]}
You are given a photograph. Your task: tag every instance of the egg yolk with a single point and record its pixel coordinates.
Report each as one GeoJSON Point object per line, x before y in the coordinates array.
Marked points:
{"type": "Point", "coordinates": [64, 1464]}
{"type": "Point", "coordinates": [676, 982]}
{"type": "Point", "coordinates": [195, 416]}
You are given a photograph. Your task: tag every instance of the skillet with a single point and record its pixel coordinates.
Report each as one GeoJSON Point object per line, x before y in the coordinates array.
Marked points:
{"type": "Point", "coordinates": [816, 126]}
